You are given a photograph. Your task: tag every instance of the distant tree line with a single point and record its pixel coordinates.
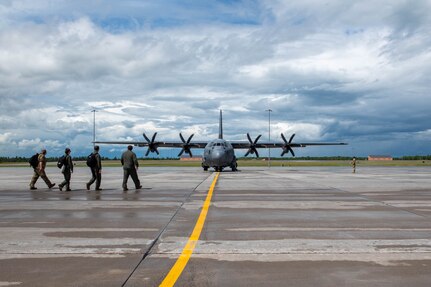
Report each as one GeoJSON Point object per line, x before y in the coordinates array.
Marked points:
{"type": "Point", "coordinates": [308, 158]}
{"type": "Point", "coordinates": [49, 159]}
{"type": "Point", "coordinates": [408, 157]}
{"type": "Point", "coordinates": [415, 157]}
{"type": "Point", "coordinates": [14, 159]}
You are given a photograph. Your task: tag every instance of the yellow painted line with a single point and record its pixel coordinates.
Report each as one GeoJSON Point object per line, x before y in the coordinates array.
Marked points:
{"type": "Point", "coordinates": [181, 263]}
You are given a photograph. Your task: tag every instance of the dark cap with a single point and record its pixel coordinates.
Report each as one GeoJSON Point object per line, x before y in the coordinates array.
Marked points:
{"type": "Point", "coordinates": [96, 147]}
{"type": "Point", "coordinates": [130, 147]}
{"type": "Point", "coordinates": [67, 150]}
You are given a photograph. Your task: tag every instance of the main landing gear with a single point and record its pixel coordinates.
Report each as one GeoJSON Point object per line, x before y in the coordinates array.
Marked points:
{"type": "Point", "coordinates": [234, 166]}
{"type": "Point", "coordinates": [205, 167]}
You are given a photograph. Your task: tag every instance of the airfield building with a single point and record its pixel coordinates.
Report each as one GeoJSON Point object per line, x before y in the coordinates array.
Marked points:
{"type": "Point", "coordinates": [380, 157]}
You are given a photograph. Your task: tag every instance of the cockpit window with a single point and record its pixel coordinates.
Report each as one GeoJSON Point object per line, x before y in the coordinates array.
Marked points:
{"type": "Point", "coordinates": [223, 144]}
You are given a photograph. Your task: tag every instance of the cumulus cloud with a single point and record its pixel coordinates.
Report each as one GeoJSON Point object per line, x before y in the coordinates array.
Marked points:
{"type": "Point", "coordinates": [336, 71]}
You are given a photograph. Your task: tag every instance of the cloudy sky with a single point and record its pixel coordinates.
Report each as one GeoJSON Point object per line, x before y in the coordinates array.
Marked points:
{"type": "Point", "coordinates": [343, 71]}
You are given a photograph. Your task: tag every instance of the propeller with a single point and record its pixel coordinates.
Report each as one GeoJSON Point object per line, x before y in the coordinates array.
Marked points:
{"type": "Point", "coordinates": [286, 148]}
{"type": "Point", "coordinates": [252, 148]}
{"type": "Point", "coordinates": [186, 145]}
{"type": "Point", "coordinates": [152, 145]}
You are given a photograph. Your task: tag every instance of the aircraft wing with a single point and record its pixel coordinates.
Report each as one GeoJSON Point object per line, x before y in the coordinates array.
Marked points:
{"type": "Point", "coordinates": [186, 146]}
{"type": "Point", "coordinates": [152, 144]}
{"type": "Point", "coordinates": [245, 145]}
{"type": "Point", "coordinates": [158, 143]}
{"type": "Point", "coordinates": [285, 145]}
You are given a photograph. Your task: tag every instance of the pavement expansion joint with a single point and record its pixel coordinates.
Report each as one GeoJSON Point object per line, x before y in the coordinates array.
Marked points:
{"type": "Point", "coordinates": [149, 249]}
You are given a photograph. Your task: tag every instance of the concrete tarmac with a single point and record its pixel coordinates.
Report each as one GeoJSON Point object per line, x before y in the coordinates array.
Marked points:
{"type": "Point", "coordinates": [287, 226]}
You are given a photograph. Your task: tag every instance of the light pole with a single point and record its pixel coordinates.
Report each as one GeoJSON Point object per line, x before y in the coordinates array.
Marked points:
{"type": "Point", "coordinates": [94, 127]}
{"type": "Point", "coordinates": [269, 136]}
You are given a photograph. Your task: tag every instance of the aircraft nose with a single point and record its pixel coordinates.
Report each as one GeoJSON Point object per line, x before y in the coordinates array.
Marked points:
{"type": "Point", "coordinates": [219, 158]}
{"type": "Point", "coordinates": [217, 155]}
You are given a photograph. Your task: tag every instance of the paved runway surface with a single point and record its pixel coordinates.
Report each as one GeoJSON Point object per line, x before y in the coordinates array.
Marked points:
{"type": "Point", "coordinates": [277, 227]}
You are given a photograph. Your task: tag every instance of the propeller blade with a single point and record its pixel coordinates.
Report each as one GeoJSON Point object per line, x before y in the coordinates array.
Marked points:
{"type": "Point", "coordinates": [186, 145]}
{"type": "Point", "coordinates": [247, 153]}
{"type": "Point", "coordinates": [182, 139]}
{"type": "Point", "coordinates": [258, 137]}
{"type": "Point", "coordinates": [284, 139]}
{"type": "Point", "coordinates": [181, 152]}
{"type": "Point", "coordinates": [152, 147]}
{"type": "Point", "coordinates": [291, 138]}
{"type": "Point", "coordinates": [190, 138]}
{"type": "Point", "coordinates": [145, 136]}
{"type": "Point", "coordinates": [249, 138]}
{"type": "Point", "coordinates": [252, 148]}
{"type": "Point", "coordinates": [154, 137]}
{"type": "Point", "coordinates": [287, 149]}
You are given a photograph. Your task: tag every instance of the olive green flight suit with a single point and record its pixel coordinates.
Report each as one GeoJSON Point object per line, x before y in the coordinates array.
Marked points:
{"type": "Point", "coordinates": [40, 171]}
{"type": "Point", "coordinates": [354, 165]}
{"type": "Point", "coordinates": [67, 171]}
{"type": "Point", "coordinates": [96, 172]}
{"type": "Point", "coordinates": [130, 163]}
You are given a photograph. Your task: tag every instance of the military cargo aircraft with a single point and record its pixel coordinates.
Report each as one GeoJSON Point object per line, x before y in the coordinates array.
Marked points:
{"type": "Point", "coordinates": [218, 153]}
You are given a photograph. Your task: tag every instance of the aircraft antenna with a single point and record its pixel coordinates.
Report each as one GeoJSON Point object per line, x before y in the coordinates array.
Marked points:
{"type": "Point", "coordinates": [220, 132]}
{"type": "Point", "coordinates": [94, 127]}
{"type": "Point", "coordinates": [269, 136]}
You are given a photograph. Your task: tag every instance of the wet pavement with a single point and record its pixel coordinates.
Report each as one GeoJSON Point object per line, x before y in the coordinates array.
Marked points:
{"type": "Point", "coordinates": [279, 227]}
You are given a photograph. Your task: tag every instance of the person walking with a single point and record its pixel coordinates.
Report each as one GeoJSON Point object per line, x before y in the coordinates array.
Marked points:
{"type": "Point", "coordinates": [130, 165]}
{"type": "Point", "coordinates": [39, 171]}
{"type": "Point", "coordinates": [95, 164]}
{"type": "Point", "coordinates": [67, 170]}
{"type": "Point", "coordinates": [354, 165]}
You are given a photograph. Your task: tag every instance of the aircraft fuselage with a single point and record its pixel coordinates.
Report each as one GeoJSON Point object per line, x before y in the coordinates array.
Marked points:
{"type": "Point", "coordinates": [218, 154]}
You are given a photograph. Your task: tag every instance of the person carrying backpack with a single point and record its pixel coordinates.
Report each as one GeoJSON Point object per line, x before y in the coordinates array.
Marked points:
{"type": "Point", "coordinates": [39, 170]}
{"type": "Point", "coordinates": [66, 169]}
{"type": "Point", "coordinates": [94, 162]}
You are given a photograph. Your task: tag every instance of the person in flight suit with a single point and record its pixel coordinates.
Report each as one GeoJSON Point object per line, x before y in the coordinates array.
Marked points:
{"type": "Point", "coordinates": [67, 170]}
{"type": "Point", "coordinates": [130, 165]}
{"type": "Point", "coordinates": [40, 171]}
{"type": "Point", "coordinates": [354, 165]}
{"type": "Point", "coordinates": [96, 170]}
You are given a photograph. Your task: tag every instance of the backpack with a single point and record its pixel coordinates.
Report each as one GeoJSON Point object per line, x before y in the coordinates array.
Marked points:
{"type": "Point", "coordinates": [61, 161]}
{"type": "Point", "coordinates": [91, 160]}
{"type": "Point", "coordinates": [34, 160]}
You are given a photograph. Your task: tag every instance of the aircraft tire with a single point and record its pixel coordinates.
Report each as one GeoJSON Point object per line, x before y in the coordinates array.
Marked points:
{"type": "Point", "coordinates": [234, 166]}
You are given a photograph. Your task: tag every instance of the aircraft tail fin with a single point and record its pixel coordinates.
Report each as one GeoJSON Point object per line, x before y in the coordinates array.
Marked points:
{"type": "Point", "coordinates": [220, 131]}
